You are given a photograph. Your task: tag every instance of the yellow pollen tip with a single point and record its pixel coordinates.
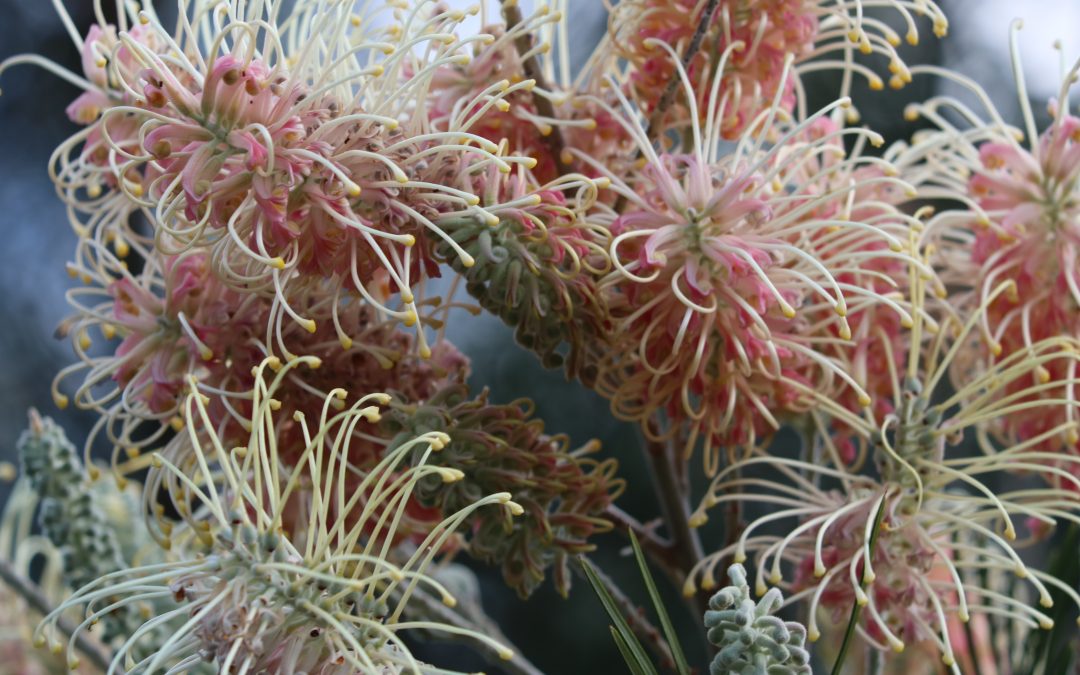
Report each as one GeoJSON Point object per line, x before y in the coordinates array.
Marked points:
{"type": "Point", "coordinates": [472, 200]}
{"type": "Point", "coordinates": [876, 83]}
{"type": "Point", "coordinates": [346, 342]}
{"type": "Point", "coordinates": [697, 520]}
{"type": "Point", "coordinates": [8, 472]}
{"type": "Point", "coordinates": [309, 325]}
{"type": "Point", "coordinates": [689, 589]}
{"type": "Point", "coordinates": [740, 557]}
{"type": "Point", "coordinates": [1046, 624]}
{"type": "Point", "coordinates": [506, 654]}
{"type": "Point", "coordinates": [108, 331]}
{"type": "Point", "coordinates": [278, 263]}
{"type": "Point", "coordinates": [60, 400]}
{"type": "Point", "coordinates": [467, 260]}
{"type": "Point", "coordinates": [515, 508]}
{"type": "Point", "coordinates": [409, 240]}
{"type": "Point", "coordinates": [845, 332]}
{"type": "Point", "coordinates": [912, 38]}
{"type": "Point", "coordinates": [865, 402]}
{"type": "Point", "coordinates": [353, 189]}
{"type": "Point", "coordinates": [819, 571]}
{"type": "Point", "coordinates": [898, 647]}
{"type": "Point", "coordinates": [425, 352]}
{"type": "Point", "coordinates": [177, 423]}
{"type": "Point", "coordinates": [788, 310]}
{"type": "Point", "coordinates": [530, 162]}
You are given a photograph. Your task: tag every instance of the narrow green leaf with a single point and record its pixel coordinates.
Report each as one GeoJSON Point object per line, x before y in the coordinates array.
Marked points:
{"type": "Point", "coordinates": [627, 653]}
{"type": "Point", "coordinates": [856, 609]}
{"type": "Point", "coordinates": [612, 608]}
{"type": "Point", "coordinates": [681, 665]}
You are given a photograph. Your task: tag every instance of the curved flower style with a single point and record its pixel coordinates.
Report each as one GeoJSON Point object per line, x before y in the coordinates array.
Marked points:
{"type": "Point", "coordinates": [540, 114]}
{"type": "Point", "coordinates": [325, 594]}
{"type": "Point", "coordinates": [747, 45]}
{"type": "Point", "coordinates": [908, 544]}
{"type": "Point", "coordinates": [1020, 224]}
{"type": "Point", "coordinates": [734, 275]}
{"type": "Point", "coordinates": [564, 492]}
{"type": "Point", "coordinates": [284, 161]}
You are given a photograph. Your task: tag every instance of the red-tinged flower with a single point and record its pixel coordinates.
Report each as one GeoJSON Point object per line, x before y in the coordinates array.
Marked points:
{"type": "Point", "coordinates": [1018, 228]}
{"type": "Point", "coordinates": [291, 168]}
{"type": "Point", "coordinates": [174, 319]}
{"type": "Point", "coordinates": [734, 276]}
{"type": "Point", "coordinates": [743, 49]}
{"type": "Point", "coordinates": [904, 540]}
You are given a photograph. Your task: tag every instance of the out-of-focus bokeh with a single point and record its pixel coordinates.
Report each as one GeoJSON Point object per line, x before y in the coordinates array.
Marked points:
{"type": "Point", "coordinates": [560, 636]}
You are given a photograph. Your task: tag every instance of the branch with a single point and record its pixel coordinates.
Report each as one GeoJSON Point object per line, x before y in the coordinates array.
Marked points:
{"type": "Point", "coordinates": [435, 609]}
{"type": "Point", "coordinates": [635, 618]}
{"type": "Point", "coordinates": [685, 544]}
{"type": "Point", "coordinates": [688, 56]}
{"type": "Point", "coordinates": [669, 91]}
{"type": "Point", "coordinates": [31, 593]}
{"type": "Point", "coordinates": [524, 43]}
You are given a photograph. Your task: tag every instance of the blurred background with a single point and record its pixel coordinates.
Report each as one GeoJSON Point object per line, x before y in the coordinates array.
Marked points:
{"type": "Point", "coordinates": [560, 636]}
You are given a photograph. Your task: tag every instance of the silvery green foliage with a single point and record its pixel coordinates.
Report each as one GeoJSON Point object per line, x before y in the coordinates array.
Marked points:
{"type": "Point", "coordinates": [71, 516]}
{"type": "Point", "coordinates": [751, 640]}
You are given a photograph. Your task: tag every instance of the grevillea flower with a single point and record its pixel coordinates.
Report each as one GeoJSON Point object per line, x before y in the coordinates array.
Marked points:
{"type": "Point", "coordinates": [909, 542]}
{"type": "Point", "coordinates": [733, 276]}
{"type": "Point", "coordinates": [325, 596]}
{"type": "Point", "coordinates": [540, 114]}
{"type": "Point", "coordinates": [1019, 222]}
{"type": "Point", "coordinates": [173, 319]}
{"type": "Point", "coordinates": [286, 162]}
{"type": "Point", "coordinates": [541, 259]}
{"type": "Point", "coordinates": [563, 491]}
{"type": "Point", "coordinates": [744, 46]}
